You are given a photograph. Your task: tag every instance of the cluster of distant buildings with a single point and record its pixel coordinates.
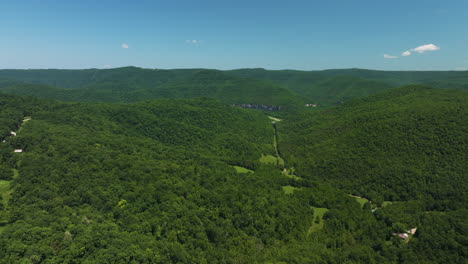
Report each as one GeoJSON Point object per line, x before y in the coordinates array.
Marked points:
{"type": "Point", "coordinates": [259, 107]}
{"type": "Point", "coordinates": [13, 133]}
{"type": "Point", "coordinates": [266, 107]}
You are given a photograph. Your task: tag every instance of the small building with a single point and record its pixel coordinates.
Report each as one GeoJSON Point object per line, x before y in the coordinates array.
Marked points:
{"type": "Point", "coordinates": [13, 133]}
{"type": "Point", "coordinates": [403, 235]}
{"type": "Point", "coordinates": [412, 231]}
{"type": "Point", "coordinates": [18, 150]}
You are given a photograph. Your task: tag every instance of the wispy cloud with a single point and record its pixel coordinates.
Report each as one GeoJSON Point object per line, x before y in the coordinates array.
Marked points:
{"type": "Point", "coordinates": [194, 41]}
{"type": "Point", "coordinates": [406, 53]}
{"type": "Point", "coordinates": [427, 47]}
{"type": "Point", "coordinates": [420, 49]}
{"type": "Point", "coordinates": [389, 56]}
{"type": "Point", "coordinates": [107, 66]}
{"type": "Point", "coordinates": [125, 46]}
{"type": "Point", "coordinates": [461, 68]}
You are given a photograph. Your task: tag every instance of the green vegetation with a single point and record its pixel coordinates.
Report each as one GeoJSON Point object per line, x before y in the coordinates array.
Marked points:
{"type": "Point", "coordinates": [5, 192]}
{"type": "Point", "coordinates": [318, 223]}
{"type": "Point", "coordinates": [288, 189]}
{"type": "Point", "coordinates": [245, 86]}
{"type": "Point", "coordinates": [391, 146]}
{"type": "Point", "coordinates": [133, 180]}
{"type": "Point", "coordinates": [331, 87]}
{"type": "Point", "coordinates": [360, 200]}
{"type": "Point", "coordinates": [403, 149]}
{"type": "Point", "coordinates": [270, 159]}
{"type": "Point", "coordinates": [242, 169]}
{"type": "Point", "coordinates": [274, 119]}
{"type": "Point", "coordinates": [95, 179]}
{"type": "Point", "coordinates": [133, 84]}
{"type": "Point", "coordinates": [386, 203]}
{"type": "Point", "coordinates": [290, 174]}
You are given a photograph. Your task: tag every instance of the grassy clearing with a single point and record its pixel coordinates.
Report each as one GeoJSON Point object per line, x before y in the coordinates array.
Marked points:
{"type": "Point", "coordinates": [5, 191]}
{"type": "Point", "coordinates": [288, 189]}
{"type": "Point", "coordinates": [386, 203]}
{"type": "Point", "coordinates": [270, 159]}
{"type": "Point", "coordinates": [242, 169]}
{"type": "Point", "coordinates": [290, 174]}
{"type": "Point", "coordinates": [274, 119]}
{"type": "Point", "coordinates": [317, 223]}
{"type": "Point", "coordinates": [25, 119]}
{"type": "Point", "coordinates": [360, 200]}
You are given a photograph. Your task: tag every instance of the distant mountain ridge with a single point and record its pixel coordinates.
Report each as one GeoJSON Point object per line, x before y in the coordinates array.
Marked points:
{"type": "Point", "coordinates": [133, 84]}
{"type": "Point", "coordinates": [242, 86]}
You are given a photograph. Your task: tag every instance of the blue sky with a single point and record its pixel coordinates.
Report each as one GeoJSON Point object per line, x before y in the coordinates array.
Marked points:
{"type": "Point", "coordinates": [306, 35]}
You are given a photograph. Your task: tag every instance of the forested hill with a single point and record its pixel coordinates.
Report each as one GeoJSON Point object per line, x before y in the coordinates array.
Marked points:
{"type": "Point", "coordinates": [243, 86]}
{"type": "Point", "coordinates": [405, 151]}
{"type": "Point", "coordinates": [191, 181]}
{"type": "Point", "coordinates": [132, 84]}
{"type": "Point", "coordinates": [151, 182]}
{"type": "Point", "coordinates": [404, 144]}
{"type": "Point", "coordinates": [303, 79]}
{"type": "Point", "coordinates": [76, 79]}
{"type": "Point", "coordinates": [154, 182]}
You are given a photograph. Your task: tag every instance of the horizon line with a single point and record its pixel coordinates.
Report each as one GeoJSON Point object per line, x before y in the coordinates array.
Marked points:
{"type": "Point", "coordinates": [234, 69]}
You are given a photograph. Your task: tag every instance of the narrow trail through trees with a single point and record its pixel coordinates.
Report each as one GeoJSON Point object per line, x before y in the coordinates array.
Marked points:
{"type": "Point", "coordinates": [275, 138]}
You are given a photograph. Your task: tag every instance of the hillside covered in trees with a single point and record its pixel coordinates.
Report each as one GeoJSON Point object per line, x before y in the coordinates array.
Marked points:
{"type": "Point", "coordinates": [160, 166]}
{"type": "Point", "coordinates": [351, 83]}
{"type": "Point", "coordinates": [386, 146]}
{"type": "Point", "coordinates": [244, 86]}
{"type": "Point", "coordinates": [132, 84]}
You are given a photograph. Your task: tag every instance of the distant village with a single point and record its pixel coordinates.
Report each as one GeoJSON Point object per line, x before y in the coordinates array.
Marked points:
{"type": "Point", "coordinates": [259, 107]}
{"type": "Point", "coordinates": [266, 107]}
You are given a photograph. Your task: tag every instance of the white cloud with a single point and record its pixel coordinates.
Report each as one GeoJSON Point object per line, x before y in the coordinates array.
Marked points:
{"type": "Point", "coordinates": [194, 41]}
{"type": "Point", "coordinates": [420, 49]}
{"type": "Point", "coordinates": [107, 66]}
{"type": "Point", "coordinates": [389, 56]}
{"type": "Point", "coordinates": [461, 68]}
{"type": "Point", "coordinates": [406, 53]}
{"type": "Point", "coordinates": [125, 46]}
{"type": "Point", "coordinates": [427, 47]}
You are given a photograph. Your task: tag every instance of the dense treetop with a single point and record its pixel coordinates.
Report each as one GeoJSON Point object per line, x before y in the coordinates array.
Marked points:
{"type": "Point", "coordinates": [133, 169]}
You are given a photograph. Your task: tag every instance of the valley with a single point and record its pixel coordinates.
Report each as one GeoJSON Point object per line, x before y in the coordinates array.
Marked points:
{"type": "Point", "coordinates": [234, 132]}
{"type": "Point", "coordinates": [166, 164]}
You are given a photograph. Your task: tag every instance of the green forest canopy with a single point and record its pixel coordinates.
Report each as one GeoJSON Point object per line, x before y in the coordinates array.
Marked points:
{"type": "Point", "coordinates": [243, 86]}
{"type": "Point", "coordinates": [155, 181]}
